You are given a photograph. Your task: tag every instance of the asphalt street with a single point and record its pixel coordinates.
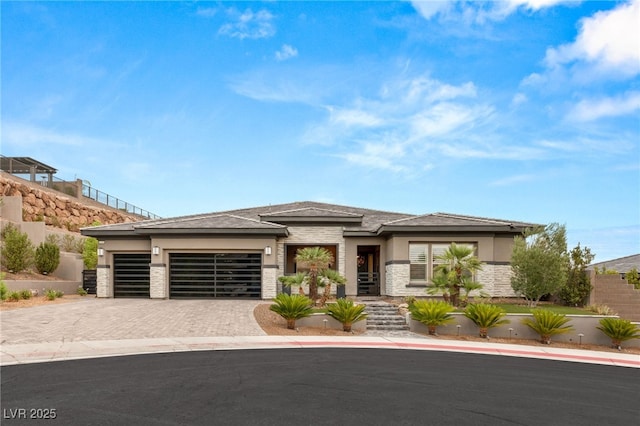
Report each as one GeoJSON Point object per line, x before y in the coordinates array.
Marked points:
{"type": "Point", "coordinates": [326, 386]}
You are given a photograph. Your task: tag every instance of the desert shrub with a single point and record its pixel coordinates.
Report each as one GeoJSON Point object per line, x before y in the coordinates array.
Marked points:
{"type": "Point", "coordinates": [25, 294]}
{"type": "Point", "coordinates": [547, 324]}
{"type": "Point", "coordinates": [90, 253]}
{"type": "Point", "coordinates": [13, 296]}
{"type": "Point", "coordinates": [410, 300]}
{"type": "Point", "coordinates": [52, 294]}
{"type": "Point", "coordinates": [292, 307]}
{"type": "Point", "coordinates": [345, 311]}
{"type": "Point", "coordinates": [72, 244]}
{"type": "Point", "coordinates": [17, 251]}
{"type": "Point", "coordinates": [600, 309]}
{"type": "Point", "coordinates": [485, 316]}
{"type": "Point", "coordinates": [47, 258]}
{"type": "Point", "coordinates": [431, 313]}
{"type": "Point", "coordinates": [619, 330]}
{"type": "Point", "coordinates": [81, 291]}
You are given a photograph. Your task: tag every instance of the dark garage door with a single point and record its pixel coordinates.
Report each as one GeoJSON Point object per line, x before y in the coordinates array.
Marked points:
{"type": "Point", "coordinates": [215, 275]}
{"type": "Point", "coordinates": [131, 275]}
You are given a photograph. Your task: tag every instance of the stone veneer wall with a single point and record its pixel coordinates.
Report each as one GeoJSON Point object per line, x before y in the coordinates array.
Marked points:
{"type": "Point", "coordinates": [269, 282]}
{"type": "Point", "coordinates": [103, 278]}
{"type": "Point", "coordinates": [56, 209]}
{"type": "Point", "coordinates": [496, 280]}
{"type": "Point", "coordinates": [329, 235]}
{"type": "Point", "coordinates": [157, 284]}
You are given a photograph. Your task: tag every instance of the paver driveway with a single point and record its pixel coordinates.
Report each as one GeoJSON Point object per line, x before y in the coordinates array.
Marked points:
{"type": "Point", "coordinates": [114, 319]}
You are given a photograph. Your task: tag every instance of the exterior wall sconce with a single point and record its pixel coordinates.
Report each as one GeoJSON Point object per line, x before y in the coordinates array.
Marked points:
{"type": "Point", "coordinates": [267, 250]}
{"type": "Point", "coordinates": [100, 251]}
{"type": "Point", "coordinates": [156, 250]}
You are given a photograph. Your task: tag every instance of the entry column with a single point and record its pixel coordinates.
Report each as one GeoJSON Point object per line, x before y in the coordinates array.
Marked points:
{"type": "Point", "coordinates": [158, 281]}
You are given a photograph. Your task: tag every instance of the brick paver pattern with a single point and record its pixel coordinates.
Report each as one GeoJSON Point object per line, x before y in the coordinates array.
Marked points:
{"type": "Point", "coordinates": [115, 319]}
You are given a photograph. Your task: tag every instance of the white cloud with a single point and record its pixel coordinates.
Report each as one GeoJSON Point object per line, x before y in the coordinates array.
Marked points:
{"type": "Point", "coordinates": [519, 99]}
{"type": "Point", "coordinates": [478, 11]}
{"type": "Point", "coordinates": [514, 180]}
{"type": "Point", "coordinates": [249, 24]}
{"type": "Point", "coordinates": [286, 52]}
{"type": "Point", "coordinates": [609, 40]}
{"type": "Point", "coordinates": [386, 156]}
{"type": "Point", "coordinates": [429, 9]}
{"type": "Point", "coordinates": [593, 109]}
{"type": "Point", "coordinates": [207, 12]}
{"type": "Point", "coordinates": [23, 135]}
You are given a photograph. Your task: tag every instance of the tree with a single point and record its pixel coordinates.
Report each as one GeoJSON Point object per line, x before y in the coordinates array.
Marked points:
{"type": "Point", "coordinates": [456, 271]}
{"type": "Point", "coordinates": [316, 259]}
{"type": "Point", "coordinates": [90, 253]}
{"type": "Point", "coordinates": [578, 285]}
{"type": "Point", "coordinates": [539, 262]}
{"type": "Point", "coordinates": [633, 277]}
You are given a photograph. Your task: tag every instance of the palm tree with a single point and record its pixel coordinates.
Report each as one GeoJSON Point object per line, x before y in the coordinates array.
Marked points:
{"type": "Point", "coordinates": [431, 313]}
{"type": "Point", "coordinates": [291, 308]}
{"type": "Point", "coordinates": [327, 277]}
{"type": "Point", "coordinates": [316, 259]}
{"type": "Point", "coordinates": [345, 311]}
{"type": "Point", "coordinates": [459, 264]}
{"type": "Point", "coordinates": [485, 316]}
{"type": "Point", "coordinates": [298, 279]}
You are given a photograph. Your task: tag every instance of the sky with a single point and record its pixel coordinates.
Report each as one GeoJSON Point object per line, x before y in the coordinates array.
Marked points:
{"type": "Point", "coordinates": [526, 110]}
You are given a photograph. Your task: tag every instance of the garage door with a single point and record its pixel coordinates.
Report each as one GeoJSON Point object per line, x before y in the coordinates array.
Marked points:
{"type": "Point", "coordinates": [131, 275]}
{"type": "Point", "coordinates": [215, 275]}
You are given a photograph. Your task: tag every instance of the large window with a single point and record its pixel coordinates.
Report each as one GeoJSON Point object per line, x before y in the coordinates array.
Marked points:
{"type": "Point", "coordinates": [423, 260]}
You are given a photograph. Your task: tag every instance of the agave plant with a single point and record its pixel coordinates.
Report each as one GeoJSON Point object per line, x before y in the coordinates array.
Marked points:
{"type": "Point", "coordinates": [619, 330]}
{"type": "Point", "coordinates": [431, 313]}
{"type": "Point", "coordinates": [547, 324]}
{"type": "Point", "coordinates": [292, 307]}
{"type": "Point", "coordinates": [485, 316]}
{"type": "Point", "coordinates": [345, 311]}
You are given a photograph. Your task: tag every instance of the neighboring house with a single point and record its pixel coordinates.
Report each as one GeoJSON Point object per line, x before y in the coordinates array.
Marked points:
{"type": "Point", "coordinates": [622, 265]}
{"type": "Point", "coordinates": [241, 253]}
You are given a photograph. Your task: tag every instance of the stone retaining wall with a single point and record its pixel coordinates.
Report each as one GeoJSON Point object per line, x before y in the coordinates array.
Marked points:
{"type": "Point", "coordinates": [56, 209]}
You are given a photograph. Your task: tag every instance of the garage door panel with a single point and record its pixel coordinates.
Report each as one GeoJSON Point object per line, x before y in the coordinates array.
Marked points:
{"type": "Point", "coordinates": [215, 275]}
{"type": "Point", "coordinates": [131, 275]}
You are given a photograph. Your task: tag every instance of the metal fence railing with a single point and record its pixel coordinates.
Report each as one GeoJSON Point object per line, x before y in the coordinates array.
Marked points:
{"type": "Point", "coordinates": [116, 203]}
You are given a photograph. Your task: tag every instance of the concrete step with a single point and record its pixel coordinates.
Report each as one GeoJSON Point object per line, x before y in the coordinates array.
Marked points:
{"type": "Point", "coordinates": [388, 327]}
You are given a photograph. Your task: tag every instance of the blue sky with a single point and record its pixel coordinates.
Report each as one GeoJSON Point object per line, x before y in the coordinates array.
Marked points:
{"type": "Point", "coordinates": [524, 109]}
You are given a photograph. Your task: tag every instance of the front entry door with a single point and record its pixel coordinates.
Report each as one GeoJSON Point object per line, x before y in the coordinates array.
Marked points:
{"type": "Point", "coordinates": [368, 271]}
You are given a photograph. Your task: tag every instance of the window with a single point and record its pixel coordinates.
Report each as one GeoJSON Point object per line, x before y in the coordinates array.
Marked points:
{"type": "Point", "coordinates": [423, 260]}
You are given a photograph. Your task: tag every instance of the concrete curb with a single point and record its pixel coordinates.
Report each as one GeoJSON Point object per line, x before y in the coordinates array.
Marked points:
{"type": "Point", "coordinates": [62, 351]}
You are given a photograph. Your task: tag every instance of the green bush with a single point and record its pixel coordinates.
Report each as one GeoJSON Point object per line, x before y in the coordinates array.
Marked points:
{"type": "Point", "coordinates": [547, 324]}
{"type": "Point", "coordinates": [3, 288]}
{"type": "Point", "coordinates": [618, 330]}
{"type": "Point", "coordinates": [345, 311]}
{"type": "Point", "coordinates": [14, 296]}
{"type": "Point", "coordinates": [17, 251]}
{"type": "Point", "coordinates": [25, 294]}
{"type": "Point", "coordinates": [47, 258]}
{"type": "Point", "coordinates": [292, 308]}
{"type": "Point", "coordinates": [52, 294]}
{"type": "Point", "coordinates": [485, 316]}
{"type": "Point", "coordinates": [81, 291]}
{"type": "Point", "coordinates": [90, 253]}
{"type": "Point", "coordinates": [431, 313]}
